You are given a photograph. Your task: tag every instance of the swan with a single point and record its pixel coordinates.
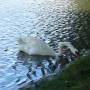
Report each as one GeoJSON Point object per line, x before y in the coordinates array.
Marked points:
{"type": "Point", "coordinates": [35, 46]}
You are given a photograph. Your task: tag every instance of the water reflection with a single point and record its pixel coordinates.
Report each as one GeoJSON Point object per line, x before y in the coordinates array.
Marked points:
{"type": "Point", "coordinates": [36, 62]}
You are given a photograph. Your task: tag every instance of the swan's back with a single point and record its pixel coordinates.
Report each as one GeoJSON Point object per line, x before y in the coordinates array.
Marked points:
{"type": "Point", "coordinates": [34, 46]}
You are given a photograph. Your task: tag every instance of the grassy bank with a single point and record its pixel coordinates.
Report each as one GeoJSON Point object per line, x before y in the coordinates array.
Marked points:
{"type": "Point", "coordinates": [75, 77]}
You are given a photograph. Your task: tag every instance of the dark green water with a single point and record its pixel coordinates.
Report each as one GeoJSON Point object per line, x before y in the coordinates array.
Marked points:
{"type": "Point", "coordinates": [51, 20]}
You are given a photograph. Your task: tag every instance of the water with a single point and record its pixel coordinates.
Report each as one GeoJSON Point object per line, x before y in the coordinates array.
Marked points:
{"type": "Point", "coordinates": [51, 20]}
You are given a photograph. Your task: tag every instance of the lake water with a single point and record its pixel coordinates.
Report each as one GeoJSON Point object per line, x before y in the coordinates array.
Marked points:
{"type": "Point", "coordinates": [52, 21]}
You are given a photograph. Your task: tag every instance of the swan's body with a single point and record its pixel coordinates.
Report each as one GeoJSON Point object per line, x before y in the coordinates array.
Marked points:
{"type": "Point", "coordinates": [35, 46]}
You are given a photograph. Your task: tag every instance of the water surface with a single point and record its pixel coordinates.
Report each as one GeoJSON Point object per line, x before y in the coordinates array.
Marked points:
{"type": "Point", "coordinates": [52, 21]}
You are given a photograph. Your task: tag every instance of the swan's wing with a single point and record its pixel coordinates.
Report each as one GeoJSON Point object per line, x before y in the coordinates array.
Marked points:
{"type": "Point", "coordinates": [35, 46]}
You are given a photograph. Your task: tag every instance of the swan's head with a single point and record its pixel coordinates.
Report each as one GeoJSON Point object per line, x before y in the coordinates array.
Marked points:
{"type": "Point", "coordinates": [68, 45]}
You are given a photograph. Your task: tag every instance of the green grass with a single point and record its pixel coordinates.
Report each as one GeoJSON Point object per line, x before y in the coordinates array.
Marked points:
{"type": "Point", "coordinates": [75, 77]}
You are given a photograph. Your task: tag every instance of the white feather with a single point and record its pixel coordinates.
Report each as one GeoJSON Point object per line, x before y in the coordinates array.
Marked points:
{"type": "Point", "coordinates": [34, 46]}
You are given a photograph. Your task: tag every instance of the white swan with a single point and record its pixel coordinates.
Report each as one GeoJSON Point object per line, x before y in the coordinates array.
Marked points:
{"type": "Point", "coordinates": [35, 46]}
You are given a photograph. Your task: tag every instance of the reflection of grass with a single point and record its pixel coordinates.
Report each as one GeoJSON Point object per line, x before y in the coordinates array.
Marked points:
{"type": "Point", "coordinates": [75, 77]}
{"type": "Point", "coordinates": [82, 5]}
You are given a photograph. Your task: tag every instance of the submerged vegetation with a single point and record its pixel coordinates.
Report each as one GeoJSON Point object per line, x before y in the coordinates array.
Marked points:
{"type": "Point", "coordinates": [75, 77]}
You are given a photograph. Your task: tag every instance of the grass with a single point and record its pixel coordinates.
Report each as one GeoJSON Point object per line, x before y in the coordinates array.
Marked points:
{"type": "Point", "coordinates": [75, 77]}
